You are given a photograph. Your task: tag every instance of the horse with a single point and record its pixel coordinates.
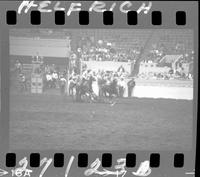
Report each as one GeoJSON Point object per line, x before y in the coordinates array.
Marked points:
{"type": "Point", "coordinates": [101, 82]}
{"type": "Point", "coordinates": [84, 89]}
{"type": "Point", "coordinates": [109, 90]}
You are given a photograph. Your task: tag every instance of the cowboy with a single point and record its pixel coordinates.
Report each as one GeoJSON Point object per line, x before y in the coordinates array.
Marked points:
{"type": "Point", "coordinates": [54, 78]}
{"type": "Point", "coordinates": [18, 66]}
{"type": "Point", "coordinates": [131, 85]}
{"type": "Point", "coordinates": [62, 85]}
{"type": "Point", "coordinates": [121, 84]}
{"type": "Point", "coordinates": [78, 87]}
{"type": "Point", "coordinates": [22, 81]}
{"type": "Point", "coordinates": [72, 83]}
{"type": "Point", "coordinates": [100, 81]}
{"type": "Point", "coordinates": [49, 79]}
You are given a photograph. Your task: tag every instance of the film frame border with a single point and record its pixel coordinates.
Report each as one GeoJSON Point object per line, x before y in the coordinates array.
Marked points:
{"type": "Point", "coordinates": [59, 16]}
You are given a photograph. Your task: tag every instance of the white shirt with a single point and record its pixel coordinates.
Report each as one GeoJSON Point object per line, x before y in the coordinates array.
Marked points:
{"type": "Point", "coordinates": [55, 75]}
{"type": "Point", "coordinates": [49, 77]}
{"type": "Point", "coordinates": [63, 79]}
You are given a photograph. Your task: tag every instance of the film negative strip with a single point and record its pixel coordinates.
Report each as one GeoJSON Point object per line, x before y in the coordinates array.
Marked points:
{"type": "Point", "coordinates": [99, 88]}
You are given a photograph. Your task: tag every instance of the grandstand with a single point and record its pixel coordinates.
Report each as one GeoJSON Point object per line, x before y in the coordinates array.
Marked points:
{"type": "Point", "coordinates": [56, 45]}
{"type": "Point", "coordinates": [120, 38]}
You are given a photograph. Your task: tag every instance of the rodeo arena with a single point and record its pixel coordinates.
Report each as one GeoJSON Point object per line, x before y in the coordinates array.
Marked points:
{"type": "Point", "coordinates": [86, 73]}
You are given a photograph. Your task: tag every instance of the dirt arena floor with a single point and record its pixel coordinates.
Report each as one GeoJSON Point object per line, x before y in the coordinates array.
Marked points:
{"type": "Point", "coordinates": [52, 122]}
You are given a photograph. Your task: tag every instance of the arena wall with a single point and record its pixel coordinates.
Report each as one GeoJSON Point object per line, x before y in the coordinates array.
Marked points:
{"type": "Point", "coordinates": [108, 65]}
{"type": "Point", "coordinates": [47, 60]}
{"type": "Point", "coordinates": [152, 68]}
{"type": "Point", "coordinates": [166, 90]}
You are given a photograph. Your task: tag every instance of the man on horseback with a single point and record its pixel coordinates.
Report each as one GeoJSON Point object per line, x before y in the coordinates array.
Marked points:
{"type": "Point", "coordinates": [109, 89]}
{"type": "Point", "coordinates": [84, 88]}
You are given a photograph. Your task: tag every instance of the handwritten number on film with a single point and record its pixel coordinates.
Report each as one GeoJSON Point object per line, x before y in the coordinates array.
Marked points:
{"type": "Point", "coordinates": [143, 170]}
{"type": "Point", "coordinates": [23, 171]}
{"type": "Point", "coordinates": [120, 169]}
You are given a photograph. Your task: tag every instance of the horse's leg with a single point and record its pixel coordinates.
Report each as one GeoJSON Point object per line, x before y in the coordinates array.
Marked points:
{"type": "Point", "coordinates": [102, 92]}
{"type": "Point", "coordinates": [70, 91]}
{"type": "Point", "coordinates": [80, 94]}
{"type": "Point", "coordinates": [77, 93]}
{"type": "Point", "coordinates": [74, 90]}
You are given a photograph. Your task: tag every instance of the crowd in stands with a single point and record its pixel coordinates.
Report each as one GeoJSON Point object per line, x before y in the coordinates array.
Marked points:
{"type": "Point", "coordinates": [107, 51]}
{"type": "Point", "coordinates": [104, 51]}
{"type": "Point", "coordinates": [160, 50]}
{"type": "Point", "coordinates": [178, 74]}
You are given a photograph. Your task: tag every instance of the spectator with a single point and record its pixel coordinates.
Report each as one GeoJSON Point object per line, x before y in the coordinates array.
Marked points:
{"type": "Point", "coordinates": [62, 84]}
{"type": "Point", "coordinates": [18, 66]}
{"type": "Point", "coordinates": [131, 85]}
